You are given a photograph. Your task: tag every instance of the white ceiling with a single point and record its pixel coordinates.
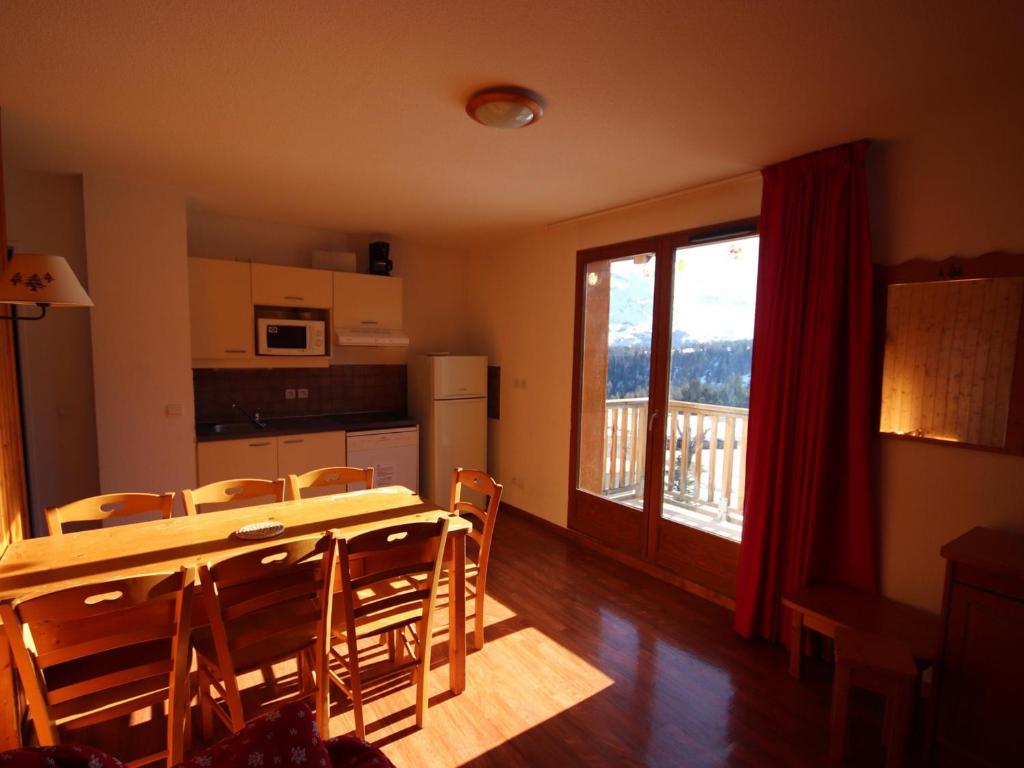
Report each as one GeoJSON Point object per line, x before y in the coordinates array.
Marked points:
{"type": "Point", "coordinates": [349, 115]}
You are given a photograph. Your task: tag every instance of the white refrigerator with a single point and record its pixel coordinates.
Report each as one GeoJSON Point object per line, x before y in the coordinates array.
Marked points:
{"type": "Point", "coordinates": [448, 397]}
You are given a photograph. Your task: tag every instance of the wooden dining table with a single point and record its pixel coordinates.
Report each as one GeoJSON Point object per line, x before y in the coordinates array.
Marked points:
{"type": "Point", "coordinates": [58, 562]}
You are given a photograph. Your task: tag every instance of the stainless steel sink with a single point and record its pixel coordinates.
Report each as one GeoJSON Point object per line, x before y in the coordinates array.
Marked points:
{"type": "Point", "coordinates": [233, 428]}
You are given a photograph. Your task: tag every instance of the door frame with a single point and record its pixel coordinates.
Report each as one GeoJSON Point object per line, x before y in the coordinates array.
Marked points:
{"type": "Point", "coordinates": [641, 535]}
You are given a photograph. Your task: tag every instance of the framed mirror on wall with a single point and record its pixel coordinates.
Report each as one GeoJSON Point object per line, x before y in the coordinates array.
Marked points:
{"type": "Point", "coordinates": [953, 365]}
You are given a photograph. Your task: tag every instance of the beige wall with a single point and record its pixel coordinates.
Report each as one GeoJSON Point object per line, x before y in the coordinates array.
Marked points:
{"type": "Point", "coordinates": [954, 188]}
{"type": "Point", "coordinates": [138, 279]}
{"type": "Point", "coordinates": [521, 316]}
{"type": "Point", "coordinates": [44, 215]}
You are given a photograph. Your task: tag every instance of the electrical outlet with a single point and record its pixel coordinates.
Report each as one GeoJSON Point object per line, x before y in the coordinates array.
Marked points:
{"type": "Point", "coordinates": [289, 394]}
{"type": "Point", "coordinates": [303, 394]}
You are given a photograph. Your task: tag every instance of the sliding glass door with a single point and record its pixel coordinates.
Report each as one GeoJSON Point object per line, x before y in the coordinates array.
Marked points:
{"type": "Point", "coordinates": [660, 404]}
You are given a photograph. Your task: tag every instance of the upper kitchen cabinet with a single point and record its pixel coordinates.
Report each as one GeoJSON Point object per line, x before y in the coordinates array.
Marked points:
{"type": "Point", "coordinates": [367, 301]}
{"type": "Point", "coordinates": [275, 286]}
{"type": "Point", "coordinates": [220, 301]}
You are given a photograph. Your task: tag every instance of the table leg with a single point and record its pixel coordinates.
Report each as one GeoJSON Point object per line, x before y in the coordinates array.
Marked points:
{"type": "Point", "coordinates": [796, 642]}
{"type": "Point", "coordinates": [457, 614]}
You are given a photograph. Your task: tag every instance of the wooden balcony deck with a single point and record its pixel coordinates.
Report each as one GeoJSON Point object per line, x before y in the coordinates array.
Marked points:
{"type": "Point", "coordinates": [705, 457]}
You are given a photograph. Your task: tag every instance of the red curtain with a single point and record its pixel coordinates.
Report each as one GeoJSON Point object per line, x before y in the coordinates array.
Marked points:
{"type": "Point", "coordinates": [809, 512]}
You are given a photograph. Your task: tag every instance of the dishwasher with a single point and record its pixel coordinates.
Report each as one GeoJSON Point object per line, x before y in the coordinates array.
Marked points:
{"type": "Point", "coordinates": [393, 453]}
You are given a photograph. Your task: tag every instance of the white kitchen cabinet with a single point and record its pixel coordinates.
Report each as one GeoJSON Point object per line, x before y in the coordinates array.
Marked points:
{"type": "Point", "coordinates": [236, 459]}
{"type": "Point", "coordinates": [297, 454]}
{"type": "Point", "coordinates": [268, 457]}
{"type": "Point", "coordinates": [276, 286]}
{"type": "Point", "coordinates": [220, 303]}
{"type": "Point", "coordinates": [367, 301]}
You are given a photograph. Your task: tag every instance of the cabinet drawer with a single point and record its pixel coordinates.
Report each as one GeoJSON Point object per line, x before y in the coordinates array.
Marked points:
{"type": "Point", "coordinates": [237, 459]}
{"type": "Point", "coordinates": [291, 287]}
{"type": "Point", "coordinates": [297, 454]}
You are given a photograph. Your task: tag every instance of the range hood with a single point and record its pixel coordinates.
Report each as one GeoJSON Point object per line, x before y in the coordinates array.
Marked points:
{"type": "Point", "coordinates": [370, 336]}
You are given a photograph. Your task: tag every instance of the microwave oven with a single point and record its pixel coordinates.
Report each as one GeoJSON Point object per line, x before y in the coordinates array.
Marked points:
{"type": "Point", "coordinates": [275, 336]}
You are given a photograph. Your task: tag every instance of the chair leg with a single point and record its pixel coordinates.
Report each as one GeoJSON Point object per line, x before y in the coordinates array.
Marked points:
{"type": "Point", "coordinates": [269, 680]}
{"type": "Point", "coordinates": [840, 703]}
{"type": "Point", "coordinates": [422, 673]}
{"type": "Point", "coordinates": [205, 705]}
{"type": "Point", "coordinates": [899, 704]}
{"type": "Point", "coordinates": [478, 620]}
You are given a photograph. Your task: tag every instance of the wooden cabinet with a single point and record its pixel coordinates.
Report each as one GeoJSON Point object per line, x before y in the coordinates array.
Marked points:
{"type": "Point", "coordinates": [268, 457]}
{"type": "Point", "coordinates": [276, 286]}
{"type": "Point", "coordinates": [981, 673]}
{"type": "Point", "coordinates": [367, 301]}
{"type": "Point", "coordinates": [230, 459]}
{"type": "Point", "coordinates": [220, 303]}
{"type": "Point", "coordinates": [300, 453]}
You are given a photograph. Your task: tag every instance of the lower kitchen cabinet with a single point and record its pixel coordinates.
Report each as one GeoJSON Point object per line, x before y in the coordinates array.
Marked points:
{"type": "Point", "coordinates": [231, 459]}
{"type": "Point", "coordinates": [300, 453]}
{"type": "Point", "coordinates": [268, 457]}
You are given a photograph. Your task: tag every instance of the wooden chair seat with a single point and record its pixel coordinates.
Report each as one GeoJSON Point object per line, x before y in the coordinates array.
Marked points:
{"type": "Point", "coordinates": [382, 621]}
{"type": "Point", "coordinates": [282, 645]}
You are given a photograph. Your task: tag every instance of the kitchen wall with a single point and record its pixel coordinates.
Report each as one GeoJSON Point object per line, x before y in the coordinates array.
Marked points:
{"type": "Point", "coordinates": [337, 389]}
{"type": "Point", "coordinates": [45, 215]}
{"type": "Point", "coordinates": [138, 278]}
{"type": "Point", "coordinates": [952, 187]}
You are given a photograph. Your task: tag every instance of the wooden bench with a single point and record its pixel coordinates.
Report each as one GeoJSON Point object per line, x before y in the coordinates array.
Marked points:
{"type": "Point", "coordinates": [825, 607]}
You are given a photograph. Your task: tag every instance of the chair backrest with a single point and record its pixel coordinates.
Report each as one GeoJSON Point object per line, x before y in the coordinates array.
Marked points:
{"type": "Point", "coordinates": [483, 517]}
{"type": "Point", "coordinates": [231, 493]}
{"type": "Point", "coordinates": [406, 560]}
{"type": "Point", "coordinates": [328, 477]}
{"type": "Point", "coordinates": [107, 506]}
{"type": "Point", "coordinates": [78, 650]}
{"type": "Point", "coordinates": [254, 596]}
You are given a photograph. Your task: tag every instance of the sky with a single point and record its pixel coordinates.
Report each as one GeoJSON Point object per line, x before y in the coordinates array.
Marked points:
{"type": "Point", "coordinates": [714, 289]}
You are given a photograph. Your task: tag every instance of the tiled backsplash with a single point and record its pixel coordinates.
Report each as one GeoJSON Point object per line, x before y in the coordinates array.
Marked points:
{"type": "Point", "coordinates": [338, 389]}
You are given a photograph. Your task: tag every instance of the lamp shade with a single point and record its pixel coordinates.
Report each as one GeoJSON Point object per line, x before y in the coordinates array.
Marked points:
{"type": "Point", "coordinates": [35, 278]}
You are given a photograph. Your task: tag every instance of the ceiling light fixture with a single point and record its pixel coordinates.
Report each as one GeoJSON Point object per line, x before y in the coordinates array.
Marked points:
{"type": "Point", "coordinates": [505, 106]}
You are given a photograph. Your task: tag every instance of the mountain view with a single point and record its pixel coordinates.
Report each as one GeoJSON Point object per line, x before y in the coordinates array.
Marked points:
{"type": "Point", "coordinates": [714, 291]}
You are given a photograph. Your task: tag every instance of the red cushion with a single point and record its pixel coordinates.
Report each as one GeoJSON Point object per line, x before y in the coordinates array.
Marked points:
{"type": "Point", "coordinates": [63, 756]}
{"type": "Point", "coordinates": [350, 752]}
{"type": "Point", "coordinates": [286, 737]}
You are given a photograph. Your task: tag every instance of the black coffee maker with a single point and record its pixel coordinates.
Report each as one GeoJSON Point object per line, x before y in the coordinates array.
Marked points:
{"type": "Point", "coordinates": [380, 264]}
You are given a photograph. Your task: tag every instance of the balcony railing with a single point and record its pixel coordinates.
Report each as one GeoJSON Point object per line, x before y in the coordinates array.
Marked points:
{"type": "Point", "coordinates": [705, 456]}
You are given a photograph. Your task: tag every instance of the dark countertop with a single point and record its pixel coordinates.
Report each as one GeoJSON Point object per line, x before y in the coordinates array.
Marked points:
{"type": "Point", "coordinates": [295, 425]}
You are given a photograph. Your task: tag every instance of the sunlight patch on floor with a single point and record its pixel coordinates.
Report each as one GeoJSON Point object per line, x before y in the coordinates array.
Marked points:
{"type": "Point", "coordinates": [509, 690]}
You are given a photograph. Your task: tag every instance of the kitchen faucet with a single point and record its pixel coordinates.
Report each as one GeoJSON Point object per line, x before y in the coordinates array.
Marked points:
{"type": "Point", "coordinates": [254, 417]}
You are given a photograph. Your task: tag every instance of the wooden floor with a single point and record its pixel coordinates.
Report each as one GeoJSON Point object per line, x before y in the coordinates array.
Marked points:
{"type": "Point", "coordinates": [590, 663]}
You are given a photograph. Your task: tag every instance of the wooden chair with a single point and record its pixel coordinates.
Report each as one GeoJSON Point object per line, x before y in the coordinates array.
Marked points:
{"type": "Point", "coordinates": [484, 519]}
{"type": "Point", "coordinates": [109, 505]}
{"type": "Point", "coordinates": [96, 652]}
{"type": "Point", "coordinates": [880, 664]}
{"type": "Point", "coordinates": [230, 492]}
{"type": "Point", "coordinates": [265, 606]}
{"type": "Point", "coordinates": [392, 596]}
{"type": "Point", "coordinates": [328, 477]}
